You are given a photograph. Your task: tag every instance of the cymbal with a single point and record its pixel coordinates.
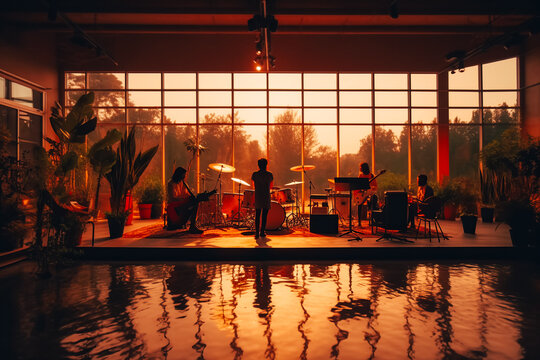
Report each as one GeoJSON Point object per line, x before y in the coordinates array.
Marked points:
{"type": "Point", "coordinates": [294, 183]}
{"type": "Point", "coordinates": [302, 168]}
{"type": "Point", "coordinates": [275, 188]}
{"type": "Point", "coordinates": [240, 181]}
{"type": "Point", "coordinates": [222, 167]}
{"type": "Point", "coordinates": [331, 181]}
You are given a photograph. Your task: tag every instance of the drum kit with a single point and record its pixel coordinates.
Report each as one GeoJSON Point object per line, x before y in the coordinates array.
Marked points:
{"type": "Point", "coordinates": [238, 208]}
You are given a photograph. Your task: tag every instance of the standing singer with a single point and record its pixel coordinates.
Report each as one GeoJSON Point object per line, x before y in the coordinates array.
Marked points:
{"type": "Point", "coordinates": [262, 180]}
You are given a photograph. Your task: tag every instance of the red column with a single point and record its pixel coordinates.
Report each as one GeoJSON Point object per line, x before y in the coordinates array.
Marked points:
{"type": "Point", "coordinates": [443, 161]}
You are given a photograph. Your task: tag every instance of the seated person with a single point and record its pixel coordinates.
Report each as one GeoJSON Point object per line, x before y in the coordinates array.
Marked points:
{"type": "Point", "coordinates": [180, 207]}
{"type": "Point", "coordinates": [419, 206]}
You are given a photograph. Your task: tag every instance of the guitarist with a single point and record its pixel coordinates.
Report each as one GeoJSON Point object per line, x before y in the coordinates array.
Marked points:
{"type": "Point", "coordinates": [362, 195]}
{"type": "Point", "coordinates": [183, 203]}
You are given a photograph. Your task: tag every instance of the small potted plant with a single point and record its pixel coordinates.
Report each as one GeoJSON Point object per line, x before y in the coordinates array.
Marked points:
{"type": "Point", "coordinates": [487, 195]}
{"type": "Point", "coordinates": [466, 198]}
{"type": "Point", "coordinates": [447, 192]}
{"type": "Point", "coordinates": [521, 217]}
{"type": "Point", "coordinates": [150, 199]}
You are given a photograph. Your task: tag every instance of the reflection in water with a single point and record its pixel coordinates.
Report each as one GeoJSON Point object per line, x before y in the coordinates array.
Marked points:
{"type": "Point", "coordinates": [306, 311]}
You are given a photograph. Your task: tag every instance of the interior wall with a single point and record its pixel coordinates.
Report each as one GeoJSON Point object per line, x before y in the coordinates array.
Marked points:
{"type": "Point", "coordinates": [531, 87]}
{"type": "Point", "coordinates": [32, 56]}
{"type": "Point", "coordinates": [230, 52]}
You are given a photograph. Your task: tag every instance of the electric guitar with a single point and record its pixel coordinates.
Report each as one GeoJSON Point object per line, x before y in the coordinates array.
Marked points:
{"type": "Point", "coordinates": [361, 195]}
{"type": "Point", "coordinates": [178, 212]}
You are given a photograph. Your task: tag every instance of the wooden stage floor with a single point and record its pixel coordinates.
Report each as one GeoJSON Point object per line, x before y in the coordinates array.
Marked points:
{"type": "Point", "coordinates": [149, 234]}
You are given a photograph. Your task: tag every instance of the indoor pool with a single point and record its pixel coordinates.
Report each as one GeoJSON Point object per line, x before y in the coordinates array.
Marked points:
{"type": "Point", "coordinates": [381, 310]}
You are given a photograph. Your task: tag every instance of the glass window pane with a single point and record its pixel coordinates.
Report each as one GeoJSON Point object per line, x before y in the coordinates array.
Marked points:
{"type": "Point", "coordinates": [496, 132]}
{"type": "Point", "coordinates": [109, 98]}
{"type": "Point", "coordinates": [461, 98]}
{"type": "Point", "coordinates": [144, 116]}
{"type": "Point", "coordinates": [285, 116]}
{"type": "Point", "coordinates": [218, 140]}
{"type": "Point", "coordinates": [424, 81]}
{"type": "Point", "coordinates": [284, 81]}
{"type": "Point", "coordinates": [391, 81]}
{"type": "Point", "coordinates": [249, 146]}
{"type": "Point", "coordinates": [464, 149]}
{"type": "Point", "coordinates": [424, 151]}
{"type": "Point", "coordinates": [466, 80]}
{"type": "Point", "coordinates": [215, 116]}
{"type": "Point", "coordinates": [250, 81]}
{"type": "Point", "coordinates": [21, 94]}
{"type": "Point", "coordinates": [180, 98]}
{"type": "Point", "coordinates": [180, 81]}
{"type": "Point", "coordinates": [215, 98]}
{"type": "Point", "coordinates": [320, 81]}
{"type": "Point", "coordinates": [424, 116]}
{"type": "Point", "coordinates": [111, 115]}
{"type": "Point", "coordinates": [144, 98]}
{"type": "Point", "coordinates": [284, 137]}
{"type": "Point", "coordinates": [355, 116]}
{"type": "Point", "coordinates": [8, 119]}
{"type": "Point", "coordinates": [106, 80]}
{"type": "Point", "coordinates": [500, 98]}
{"type": "Point", "coordinates": [320, 116]}
{"type": "Point", "coordinates": [145, 138]}
{"type": "Point", "coordinates": [355, 98]}
{"type": "Point", "coordinates": [73, 96]}
{"type": "Point", "coordinates": [320, 149]}
{"type": "Point", "coordinates": [396, 116]}
{"type": "Point", "coordinates": [30, 126]}
{"type": "Point", "coordinates": [144, 81]}
{"type": "Point", "coordinates": [176, 153]}
{"type": "Point", "coordinates": [355, 81]}
{"type": "Point", "coordinates": [354, 148]}
{"type": "Point", "coordinates": [180, 116]}
{"type": "Point", "coordinates": [250, 116]}
{"type": "Point", "coordinates": [250, 98]}
{"type": "Point", "coordinates": [391, 98]}
{"type": "Point", "coordinates": [503, 115]}
{"type": "Point", "coordinates": [423, 98]}
{"type": "Point", "coordinates": [3, 89]}
{"type": "Point", "coordinates": [320, 98]}
{"type": "Point", "coordinates": [285, 98]}
{"type": "Point", "coordinates": [75, 80]}
{"type": "Point", "coordinates": [464, 115]}
{"type": "Point", "coordinates": [500, 75]}
{"type": "Point", "coordinates": [391, 144]}
{"type": "Point", "coordinates": [215, 81]}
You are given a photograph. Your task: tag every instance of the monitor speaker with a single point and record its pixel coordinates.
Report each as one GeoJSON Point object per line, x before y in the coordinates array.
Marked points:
{"type": "Point", "coordinates": [323, 224]}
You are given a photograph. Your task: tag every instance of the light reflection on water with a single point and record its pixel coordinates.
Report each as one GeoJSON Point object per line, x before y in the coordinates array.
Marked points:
{"type": "Point", "coordinates": [386, 310]}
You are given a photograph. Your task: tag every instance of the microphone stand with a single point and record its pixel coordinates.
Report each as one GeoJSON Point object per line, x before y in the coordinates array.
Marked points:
{"type": "Point", "coordinates": [310, 185]}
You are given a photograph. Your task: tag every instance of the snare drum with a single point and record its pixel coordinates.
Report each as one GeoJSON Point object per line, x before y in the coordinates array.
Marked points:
{"type": "Point", "coordinates": [276, 216]}
{"type": "Point", "coordinates": [283, 196]}
{"type": "Point", "coordinates": [230, 203]}
{"type": "Point", "coordinates": [249, 199]}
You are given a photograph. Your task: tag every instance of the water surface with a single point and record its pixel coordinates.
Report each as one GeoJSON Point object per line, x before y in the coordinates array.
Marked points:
{"type": "Point", "coordinates": [382, 310]}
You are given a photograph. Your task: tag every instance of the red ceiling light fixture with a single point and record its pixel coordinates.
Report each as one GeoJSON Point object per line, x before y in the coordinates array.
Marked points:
{"type": "Point", "coordinates": [265, 24]}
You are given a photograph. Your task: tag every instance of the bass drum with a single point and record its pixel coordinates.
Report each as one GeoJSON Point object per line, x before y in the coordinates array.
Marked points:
{"type": "Point", "coordinates": [276, 216]}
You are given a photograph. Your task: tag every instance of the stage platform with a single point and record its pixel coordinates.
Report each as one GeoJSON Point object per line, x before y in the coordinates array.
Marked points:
{"type": "Point", "coordinates": [147, 240]}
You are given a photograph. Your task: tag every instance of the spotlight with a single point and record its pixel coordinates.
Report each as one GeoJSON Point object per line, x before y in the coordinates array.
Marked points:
{"type": "Point", "coordinates": [258, 67]}
{"type": "Point", "coordinates": [259, 62]}
{"type": "Point", "coordinates": [461, 66]}
{"type": "Point", "coordinates": [453, 71]}
{"type": "Point", "coordinates": [394, 13]}
{"type": "Point", "coordinates": [454, 55]}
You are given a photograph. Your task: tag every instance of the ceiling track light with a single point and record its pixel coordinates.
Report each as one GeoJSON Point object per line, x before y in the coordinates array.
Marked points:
{"type": "Point", "coordinates": [265, 24]}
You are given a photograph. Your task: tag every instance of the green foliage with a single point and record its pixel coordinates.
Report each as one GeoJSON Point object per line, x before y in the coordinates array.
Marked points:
{"type": "Point", "coordinates": [391, 181]}
{"type": "Point", "coordinates": [126, 171]}
{"type": "Point", "coordinates": [150, 191]}
{"type": "Point", "coordinates": [518, 213]}
{"type": "Point", "coordinates": [487, 187]}
{"type": "Point", "coordinates": [459, 192]}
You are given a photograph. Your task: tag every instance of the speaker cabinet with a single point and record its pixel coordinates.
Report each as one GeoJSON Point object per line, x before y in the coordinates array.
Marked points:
{"type": "Point", "coordinates": [323, 224]}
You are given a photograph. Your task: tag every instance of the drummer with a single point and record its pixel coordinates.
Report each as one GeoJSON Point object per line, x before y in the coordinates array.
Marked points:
{"type": "Point", "coordinates": [262, 180]}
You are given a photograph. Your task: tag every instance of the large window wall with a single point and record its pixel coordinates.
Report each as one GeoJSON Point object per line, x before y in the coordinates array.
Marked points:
{"type": "Point", "coordinates": [483, 106]}
{"type": "Point", "coordinates": [334, 121]}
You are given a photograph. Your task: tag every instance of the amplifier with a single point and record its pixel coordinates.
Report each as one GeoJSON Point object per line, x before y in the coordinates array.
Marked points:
{"type": "Point", "coordinates": [319, 210]}
{"type": "Point", "coordinates": [323, 224]}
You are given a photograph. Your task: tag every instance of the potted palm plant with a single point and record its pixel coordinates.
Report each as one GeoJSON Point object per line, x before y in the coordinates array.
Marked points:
{"type": "Point", "coordinates": [487, 195]}
{"type": "Point", "coordinates": [150, 198]}
{"type": "Point", "coordinates": [123, 176]}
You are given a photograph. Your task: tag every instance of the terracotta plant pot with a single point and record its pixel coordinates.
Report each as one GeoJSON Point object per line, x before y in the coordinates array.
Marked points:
{"type": "Point", "coordinates": [145, 211]}
{"type": "Point", "coordinates": [487, 214]}
{"type": "Point", "coordinates": [129, 207]}
{"type": "Point", "coordinates": [450, 212]}
{"type": "Point", "coordinates": [469, 223]}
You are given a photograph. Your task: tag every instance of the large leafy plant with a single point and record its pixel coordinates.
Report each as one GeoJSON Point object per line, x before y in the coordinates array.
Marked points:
{"type": "Point", "coordinates": [126, 171]}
